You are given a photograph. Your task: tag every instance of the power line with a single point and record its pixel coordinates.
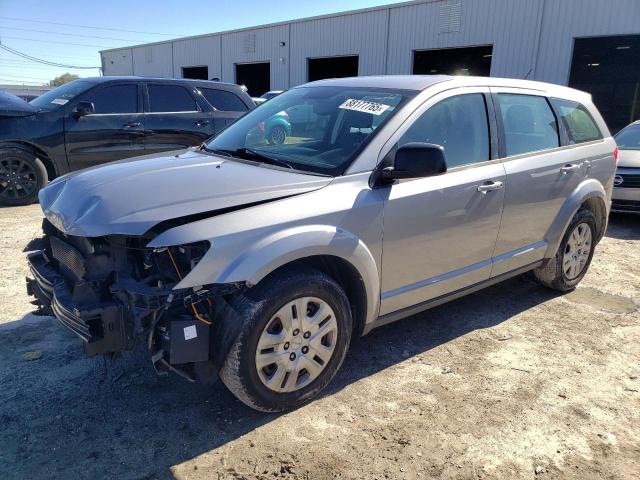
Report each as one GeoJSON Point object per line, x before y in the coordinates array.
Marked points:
{"type": "Point", "coordinates": [46, 62]}
{"type": "Point", "coordinates": [22, 76]}
{"type": "Point", "coordinates": [11, 80]}
{"type": "Point", "coordinates": [92, 27]}
{"type": "Point", "coordinates": [60, 43]}
{"type": "Point", "coordinates": [69, 34]}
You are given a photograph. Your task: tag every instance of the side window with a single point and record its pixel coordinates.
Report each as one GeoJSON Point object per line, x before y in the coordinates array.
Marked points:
{"type": "Point", "coordinates": [577, 121]}
{"type": "Point", "coordinates": [170, 98]}
{"type": "Point", "coordinates": [459, 124]}
{"type": "Point", "coordinates": [223, 100]}
{"type": "Point", "coordinates": [115, 99]}
{"type": "Point", "coordinates": [529, 123]}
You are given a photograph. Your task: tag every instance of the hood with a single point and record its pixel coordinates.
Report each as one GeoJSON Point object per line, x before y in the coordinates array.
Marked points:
{"type": "Point", "coordinates": [629, 158]}
{"type": "Point", "coordinates": [131, 197]}
{"type": "Point", "coordinates": [12, 106]}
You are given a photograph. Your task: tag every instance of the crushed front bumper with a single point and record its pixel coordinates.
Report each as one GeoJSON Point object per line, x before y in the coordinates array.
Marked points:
{"type": "Point", "coordinates": [102, 326]}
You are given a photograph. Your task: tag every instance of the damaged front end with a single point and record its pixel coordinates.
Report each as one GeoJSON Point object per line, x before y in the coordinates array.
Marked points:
{"type": "Point", "coordinates": [114, 292]}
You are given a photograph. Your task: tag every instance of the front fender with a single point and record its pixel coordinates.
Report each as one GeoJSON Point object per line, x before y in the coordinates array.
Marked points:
{"type": "Point", "coordinates": [285, 246]}
{"type": "Point", "coordinates": [589, 188]}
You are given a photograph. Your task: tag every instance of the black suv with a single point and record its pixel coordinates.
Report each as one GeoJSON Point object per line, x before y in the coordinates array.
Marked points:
{"type": "Point", "coordinates": [96, 120]}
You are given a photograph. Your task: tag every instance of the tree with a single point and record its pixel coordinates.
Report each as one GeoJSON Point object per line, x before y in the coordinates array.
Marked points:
{"type": "Point", "coordinates": [62, 79]}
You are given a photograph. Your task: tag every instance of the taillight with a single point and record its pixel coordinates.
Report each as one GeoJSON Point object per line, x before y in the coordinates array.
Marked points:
{"type": "Point", "coordinates": [615, 155]}
{"type": "Point", "coordinates": [261, 126]}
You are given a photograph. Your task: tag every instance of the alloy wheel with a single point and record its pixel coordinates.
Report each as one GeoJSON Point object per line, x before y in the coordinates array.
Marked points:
{"type": "Point", "coordinates": [18, 178]}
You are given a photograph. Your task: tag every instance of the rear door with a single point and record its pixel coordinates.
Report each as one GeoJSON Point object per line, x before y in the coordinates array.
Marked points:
{"type": "Point", "coordinates": [113, 132]}
{"type": "Point", "coordinates": [173, 118]}
{"type": "Point", "coordinates": [440, 232]}
{"type": "Point", "coordinates": [540, 175]}
{"type": "Point", "coordinates": [227, 106]}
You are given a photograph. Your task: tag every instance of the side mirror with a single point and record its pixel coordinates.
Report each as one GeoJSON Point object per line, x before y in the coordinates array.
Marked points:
{"type": "Point", "coordinates": [84, 108]}
{"type": "Point", "coordinates": [416, 160]}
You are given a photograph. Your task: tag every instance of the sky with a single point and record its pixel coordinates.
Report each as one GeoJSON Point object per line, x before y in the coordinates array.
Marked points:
{"type": "Point", "coordinates": [73, 32]}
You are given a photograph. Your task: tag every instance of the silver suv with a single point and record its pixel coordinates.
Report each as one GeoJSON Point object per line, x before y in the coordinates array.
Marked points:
{"type": "Point", "coordinates": [259, 262]}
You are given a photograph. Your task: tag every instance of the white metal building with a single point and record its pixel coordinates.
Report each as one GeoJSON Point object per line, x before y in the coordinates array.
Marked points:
{"type": "Point", "coordinates": [593, 45]}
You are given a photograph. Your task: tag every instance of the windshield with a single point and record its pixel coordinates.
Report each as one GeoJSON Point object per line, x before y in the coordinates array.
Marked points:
{"type": "Point", "coordinates": [61, 95]}
{"type": "Point", "coordinates": [629, 138]}
{"type": "Point", "coordinates": [314, 129]}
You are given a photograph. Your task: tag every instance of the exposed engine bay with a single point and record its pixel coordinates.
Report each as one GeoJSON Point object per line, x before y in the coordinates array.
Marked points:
{"type": "Point", "coordinates": [114, 293]}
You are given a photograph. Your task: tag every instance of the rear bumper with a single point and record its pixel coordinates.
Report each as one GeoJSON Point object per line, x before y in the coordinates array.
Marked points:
{"type": "Point", "coordinates": [101, 326]}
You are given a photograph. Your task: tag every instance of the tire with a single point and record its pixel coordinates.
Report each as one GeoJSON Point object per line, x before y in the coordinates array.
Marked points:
{"type": "Point", "coordinates": [277, 135]}
{"type": "Point", "coordinates": [553, 275]}
{"type": "Point", "coordinates": [259, 306]}
{"type": "Point", "coordinates": [22, 175]}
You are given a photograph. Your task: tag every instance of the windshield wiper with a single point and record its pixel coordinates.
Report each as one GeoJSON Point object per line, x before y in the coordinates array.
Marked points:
{"type": "Point", "coordinates": [250, 154]}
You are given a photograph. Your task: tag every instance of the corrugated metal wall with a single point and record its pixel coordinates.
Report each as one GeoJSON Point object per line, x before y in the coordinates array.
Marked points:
{"type": "Point", "coordinates": [565, 20]}
{"type": "Point", "coordinates": [153, 60]}
{"type": "Point", "coordinates": [530, 38]}
{"type": "Point", "coordinates": [117, 62]}
{"type": "Point", "coordinates": [509, 25]}
{"type": "Point", "coordinates": [362, 34]}
{"type": "Point", "coordinates": [257, 45]}
{"type": "Point", "coordinates": [203, 51]}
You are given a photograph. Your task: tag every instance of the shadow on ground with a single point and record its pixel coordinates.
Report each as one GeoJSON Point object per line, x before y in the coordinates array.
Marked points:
{"type": "Point", "coordinates": [67, 416]}
{"type": "Point", "coordinates": [624, 226]}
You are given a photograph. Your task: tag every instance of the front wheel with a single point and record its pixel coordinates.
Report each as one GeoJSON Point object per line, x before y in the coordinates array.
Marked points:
{"type": "Point", "coordinates": [277, 135]}
{"type": "Point", "coordinates": [572, 260]}
{"type": "Point", "coordinates": [22, 175]}
{"type": "Point", "coordinates": [296, 334]}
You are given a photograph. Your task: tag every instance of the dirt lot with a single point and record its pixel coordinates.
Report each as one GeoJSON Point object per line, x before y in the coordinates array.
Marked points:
{"type": "Point", "coordinates": [513, 382]}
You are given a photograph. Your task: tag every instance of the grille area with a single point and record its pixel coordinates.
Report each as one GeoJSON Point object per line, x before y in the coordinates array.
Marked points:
{"type": "Point", "coordinates": [71, 261]}
{"type": "Point", "coordinates": [629, 181]}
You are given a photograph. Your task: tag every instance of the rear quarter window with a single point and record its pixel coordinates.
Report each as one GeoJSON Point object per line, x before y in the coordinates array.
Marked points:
{"type": "Point", "coordinates": [529, 123]}
{"type": "Point", "coordinates": [223, 100]}
{"type": "Point", "coordinates": [577, 121]}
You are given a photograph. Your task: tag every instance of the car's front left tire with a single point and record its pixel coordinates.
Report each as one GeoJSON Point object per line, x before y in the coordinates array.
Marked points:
{"type": "Point", "coordinates": [296, 333]}
{"type": "Point", "coordinates": [22, 175]}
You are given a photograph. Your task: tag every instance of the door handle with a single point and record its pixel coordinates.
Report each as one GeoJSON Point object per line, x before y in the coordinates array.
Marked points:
{"type": "Point", "coordinates": [202, 123]}
{"type": "Point", "coordinates": [489, 187]}
{"type": "Point", "coordinates": [569, 168]}
{"type": "Point", "coordinates": [132, 125]}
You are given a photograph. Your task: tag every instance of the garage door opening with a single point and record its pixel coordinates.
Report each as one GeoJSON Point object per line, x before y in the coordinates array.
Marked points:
{"type": "Point", "coordinates": [197, 73]}
{"type": "Point", "coordinates": [609, 69]}
{"type": "Point", "coordinates": [332, 67]}
{"type": "Point", "coordinates": [255, 76]}
{"type": "Point", "coordinates": [453, 61]}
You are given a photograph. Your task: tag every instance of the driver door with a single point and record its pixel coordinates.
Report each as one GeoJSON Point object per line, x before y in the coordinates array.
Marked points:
{"type": "Point", "coordinates": [113, 132]}
{"type": "Point", "coordinates": [440, 231]}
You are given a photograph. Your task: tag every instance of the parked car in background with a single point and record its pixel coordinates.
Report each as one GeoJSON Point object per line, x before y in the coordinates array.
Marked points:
{"type": "Point", "coordinates": [260, 262]}
{"type": "Point", "coordinates": [258, 100]}
{"type": "Point", "coordinates": [271, 94]}
{"type": "Point", "coordinates": [91, 121]}
{"type": "Point", "coordinates": [626, 184]}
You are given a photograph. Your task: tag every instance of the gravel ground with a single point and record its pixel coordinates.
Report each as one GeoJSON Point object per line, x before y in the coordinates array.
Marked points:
{"type": "Point", "coordinates": [512, 382]}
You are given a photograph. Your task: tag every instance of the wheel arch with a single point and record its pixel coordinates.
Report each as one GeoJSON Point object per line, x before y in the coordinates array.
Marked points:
{"type": "Point", "coordinates": [333, 250]}
{"type": "Point", "coordinates": [345, 274]}
{"type": "Point", "coordinates": [591, 195]}
{"type": "Point", "coordinates": [49, 164]}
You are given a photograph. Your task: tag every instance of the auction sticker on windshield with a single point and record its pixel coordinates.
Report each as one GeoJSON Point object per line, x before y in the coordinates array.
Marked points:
{"type": "Point", "coordinates": [59, 101]}
{"type": "Point", "coordinates": [364, 106]}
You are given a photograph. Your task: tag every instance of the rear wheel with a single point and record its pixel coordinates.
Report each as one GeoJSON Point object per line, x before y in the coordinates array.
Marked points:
{"type": "Point", "coordinates": [22, 175]}
{"type": "Point", "coordinates": [295, 337]}
{"type": "Point", "coordinates": [574, 255]}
